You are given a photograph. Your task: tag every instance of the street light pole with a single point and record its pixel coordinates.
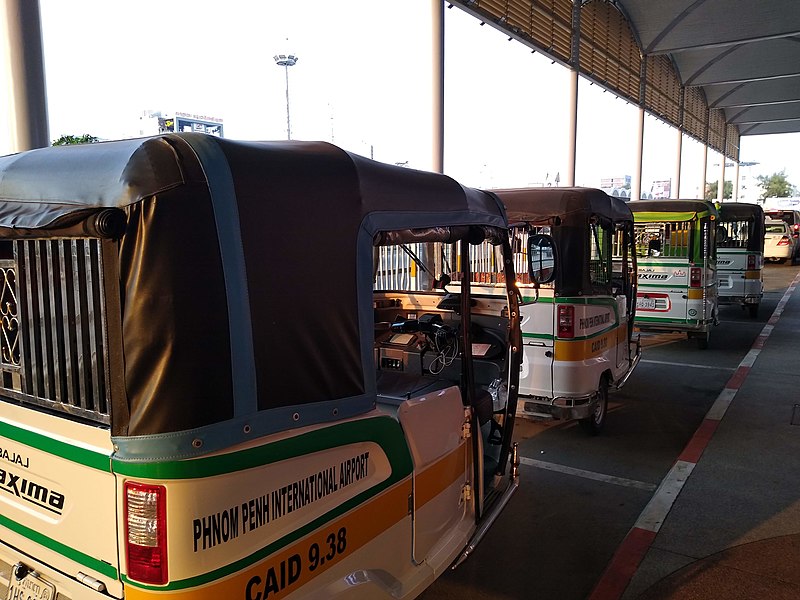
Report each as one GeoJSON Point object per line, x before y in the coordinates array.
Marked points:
{"type": "Point", "coordinates": [286, 61]}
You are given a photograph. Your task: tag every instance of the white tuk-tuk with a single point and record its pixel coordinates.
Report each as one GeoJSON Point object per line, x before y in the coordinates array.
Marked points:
{"type": "Point", "coordinates": [677, 266]}
{"type": "Point", "coordinates": [201, 395]}
{"type": "Point", "coordinates": [576, 272]}
{"type": "Point", "coordinates": [740, 255]}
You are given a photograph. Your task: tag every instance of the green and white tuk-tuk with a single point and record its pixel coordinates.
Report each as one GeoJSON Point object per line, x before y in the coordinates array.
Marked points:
{"type": "Point", "coordinates": [576, 270]}
{"type": "Point", "coordinates": [676, 265]}
{"type": "Point", "coordinates": [203, 397]}
{"type": "Point", "coordinates": [740, 255]}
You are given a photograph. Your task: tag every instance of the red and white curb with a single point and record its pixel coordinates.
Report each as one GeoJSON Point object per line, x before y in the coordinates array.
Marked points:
{"type": "Point", "coordinates": [634, 547]}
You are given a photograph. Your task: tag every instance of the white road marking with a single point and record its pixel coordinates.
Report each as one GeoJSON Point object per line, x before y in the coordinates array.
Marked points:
{"type": "Point", "coordinates": [540, 464]}
{"type": "Point", "coordinates": [680, 364]}
{"type": "Point", "coordinates": [656, 511]}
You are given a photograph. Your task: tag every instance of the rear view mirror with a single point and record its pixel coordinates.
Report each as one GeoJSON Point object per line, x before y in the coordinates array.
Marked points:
{"type": "Point", "coordinates": [541, 258]}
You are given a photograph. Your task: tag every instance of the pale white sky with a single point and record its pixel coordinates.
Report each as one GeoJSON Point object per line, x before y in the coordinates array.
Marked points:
{"type": "Point", "coordinates": [362, 81]}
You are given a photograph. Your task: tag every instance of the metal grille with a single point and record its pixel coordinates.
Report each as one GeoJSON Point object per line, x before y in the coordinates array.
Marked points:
{"type": "Point", "coordinates": [736, 235]}
{"type": "Point", "coordinates": [695, 115]}
{"type": "Point", "coordinates": [53, 329]}
{"type": "Point", "coordinates": [663, 90]}
{"type": "Point", "coordinates": [609, 53]}
{"type": "Point", "coordinates": [663, 239]}
{"type": "Point", "coordinates": [716, 130]}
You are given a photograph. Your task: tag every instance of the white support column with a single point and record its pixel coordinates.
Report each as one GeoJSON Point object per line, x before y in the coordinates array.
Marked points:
{"type": "Point", "coordinates": [721, 181]}
{"type": "Point", "coordinates": [437, 68]}
{"type": "Point", "coordinates": [736, 183]}
{"type": "Point", "coordinates": [572, 139]}
{"type": "Point", "coordinates": [676, 187]}
{"type": "Point", "coordinates": [28, 110]}
{"type": "Point", "coordinates": [636, 188]}
{"type": "Point", "coordinates": [705, 172]}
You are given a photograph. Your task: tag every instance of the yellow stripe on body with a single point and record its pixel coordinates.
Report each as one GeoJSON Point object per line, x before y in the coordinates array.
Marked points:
{"type": "Point", "coordinates": [695, 293]}
{"type": "Point", "coordinates": [440, 475]}
{"type": "Point", "coordinates": [361, 526]}
{"type": "Point", "coordinates": [578, 350]}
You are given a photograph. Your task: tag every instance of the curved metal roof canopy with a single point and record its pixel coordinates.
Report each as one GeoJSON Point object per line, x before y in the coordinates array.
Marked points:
{"type": "Point", "coordinates": [745, 55]}
{"type": "Point", "coordinates": [717, 69]}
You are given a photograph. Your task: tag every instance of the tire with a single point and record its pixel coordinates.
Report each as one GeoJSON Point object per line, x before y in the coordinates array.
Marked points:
{"type": "Point", "coordinates": [594, 424]}
{"type": "Point", "coordinates": [702, 340]}
{"type": "Point", "coordinates": [780, 261]}
{"type": "Point", "coordinates": [753, 310]}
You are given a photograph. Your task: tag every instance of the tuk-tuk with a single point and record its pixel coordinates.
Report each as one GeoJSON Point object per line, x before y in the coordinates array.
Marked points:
{"type": "Point", "coordinates": [203, 397]}
{"type": "Point", "coordinates": [740, 255]}
{"type": "Point", "coordinates": [677, 263]}
{"type": "Point", "coordinates": [575, 247]}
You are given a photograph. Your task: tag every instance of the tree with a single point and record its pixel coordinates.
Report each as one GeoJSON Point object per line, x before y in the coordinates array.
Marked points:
{"type": "Point", "coordinates": [68, 140]}
{"type": "Point", "coordinates": [776, 186]}
{"type": "Point", "coordinates": [713, 188]}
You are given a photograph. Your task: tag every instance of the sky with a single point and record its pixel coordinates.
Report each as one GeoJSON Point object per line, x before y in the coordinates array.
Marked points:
{"type": "Point", "coordinates": [362, 81]}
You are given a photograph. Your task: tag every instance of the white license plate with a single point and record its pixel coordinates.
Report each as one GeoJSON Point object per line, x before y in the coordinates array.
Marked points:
{"type": "Point", "coordinates": [646, 303]}
{"type": "Point", "coordinates": [30, 587]}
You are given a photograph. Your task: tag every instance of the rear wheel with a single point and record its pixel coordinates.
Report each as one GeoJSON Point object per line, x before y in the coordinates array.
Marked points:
{"type": "Point", "coordinates": [594, 423]}
{"type": "Point", "coordinates": [702, 338]}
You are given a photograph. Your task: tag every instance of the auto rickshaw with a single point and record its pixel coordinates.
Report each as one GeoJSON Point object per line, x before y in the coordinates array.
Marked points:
{"type": "Point", "coordinates": [676, 264]}
{"type": "Point", "coordinates": [202, 396]}
{"type": "Point", "coordinates": [740, 255]}
{"type": "Point", "coordinates": [575, 247]}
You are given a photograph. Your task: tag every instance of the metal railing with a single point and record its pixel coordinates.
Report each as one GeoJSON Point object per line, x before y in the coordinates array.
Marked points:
{"type": "Point", "coordinates": [53, 335]}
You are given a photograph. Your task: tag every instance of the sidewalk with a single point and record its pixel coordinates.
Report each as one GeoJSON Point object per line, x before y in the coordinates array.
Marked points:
{"type": "Point", "coordinates": [725, 523]}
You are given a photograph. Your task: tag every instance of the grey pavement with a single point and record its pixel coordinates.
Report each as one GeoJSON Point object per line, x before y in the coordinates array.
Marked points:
{"type": "Point", "coordinates": [734, 530]}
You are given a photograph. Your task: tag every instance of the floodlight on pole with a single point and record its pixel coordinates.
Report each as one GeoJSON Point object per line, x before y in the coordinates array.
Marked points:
{"type": "Point", "coordinates": [286, 61]}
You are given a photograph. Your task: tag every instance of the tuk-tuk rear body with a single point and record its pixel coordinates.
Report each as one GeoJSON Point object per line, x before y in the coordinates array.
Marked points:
{"type": "Point", "coordinates": [740, 255]}
{"type": "Point", "coordinates": [576, 321]}
{"type": "Point", "coordinates": [676, 266]}
{"type": "Point", "coordinates": [191, 403]}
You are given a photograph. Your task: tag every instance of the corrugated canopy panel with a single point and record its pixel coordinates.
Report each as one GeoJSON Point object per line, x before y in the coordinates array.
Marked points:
{"type": "Point", "coordinates": [608, 51]}
{"type": "Point", "coordinates": [545, 25]}
{"type": "Point", "coordinates": [736, 53]}
{"type": "Point", "coordinates": [663, 90]}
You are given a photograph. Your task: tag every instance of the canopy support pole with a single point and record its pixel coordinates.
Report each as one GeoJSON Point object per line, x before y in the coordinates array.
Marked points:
{"type": "Point", "coordinates": [636, 191]}
{"type": "Point", "coordinates": [437, 69]}
{"type": "Point", "coordinates": [572, 136]}
{"type": "Point", "coordinates": [676, 190]}
{"type": "Point", "coordinates": [28, 111]}
{"type": "Point", "coordinates": [736, 182]}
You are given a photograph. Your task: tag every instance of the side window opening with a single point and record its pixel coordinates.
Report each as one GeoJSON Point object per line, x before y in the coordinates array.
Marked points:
{"type": "Point", "coordinates": [733, 234]}
{"type": "Point", "coordinates": [600, 238]}
{"type": "Point", "coordinates": [663, 239]}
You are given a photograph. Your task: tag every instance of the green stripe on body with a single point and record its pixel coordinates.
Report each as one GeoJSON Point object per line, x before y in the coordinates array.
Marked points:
{"type": "Point", "coordinates": [71, 452]}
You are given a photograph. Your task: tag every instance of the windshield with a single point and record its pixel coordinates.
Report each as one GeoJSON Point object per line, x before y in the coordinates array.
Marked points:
{"type": "Point", "coordinates": [777, 228]}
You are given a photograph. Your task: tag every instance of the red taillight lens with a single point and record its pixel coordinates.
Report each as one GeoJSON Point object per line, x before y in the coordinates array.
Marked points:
{"type": "Point", "coordinates": [566, 321]}
{"type": "Point", "coordinates": [695, 277]}
{"type": "Point", "coordinates": [751, 262]}
{"type": "Point", "coordinates": [784, 241]}
{"type": "Point", "coordinates": [146, 532]}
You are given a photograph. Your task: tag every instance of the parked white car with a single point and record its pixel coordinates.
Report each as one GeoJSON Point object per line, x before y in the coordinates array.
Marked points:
{"type": "Point", "coordinates": [779, 243]}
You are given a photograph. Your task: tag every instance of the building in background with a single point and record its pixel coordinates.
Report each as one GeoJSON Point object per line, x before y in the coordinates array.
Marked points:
{"type": "Point", "coordinates": [155, 122]}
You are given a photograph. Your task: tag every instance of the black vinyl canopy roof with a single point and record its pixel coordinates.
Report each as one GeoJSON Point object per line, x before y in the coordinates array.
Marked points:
{"type": "Point", "coordinates": [753, 214]}
{"type": "Point", "coordinates": [678, 207]}
{"type": "Point", "coordinates": [245, 272]}
{"type": "Point", "coordinates": [569, 212]}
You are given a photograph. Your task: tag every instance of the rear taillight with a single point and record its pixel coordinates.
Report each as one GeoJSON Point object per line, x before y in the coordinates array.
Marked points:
{"type": "Point", "coordinates": [751, 262]}
{"type": "Point", "coordinates": [146, 532]}
{"type": "Point", "coordinates": [566, 321]}
{"type": "Point", "coordinates": [785, 241]}
{"type": "Point", "coordinates": [695, 277]}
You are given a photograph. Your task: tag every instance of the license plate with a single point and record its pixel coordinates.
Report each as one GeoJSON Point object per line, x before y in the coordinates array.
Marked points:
{"type": "Point", "coordinates": [30, 587]}
{"type": "Point", "coordinates": [646, 303]}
